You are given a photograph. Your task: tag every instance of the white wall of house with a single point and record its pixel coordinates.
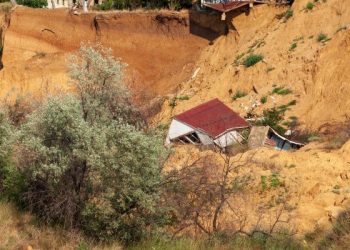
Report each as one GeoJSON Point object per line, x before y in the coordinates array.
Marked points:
{"type": "Point", "coordinates": [69, 3]}
{"type": "Point", "coordinates": [176, 130]}
{"type": "Point", "coordinates": [205, 139]}
{"type": "Point", "coordinates": [228, 139]}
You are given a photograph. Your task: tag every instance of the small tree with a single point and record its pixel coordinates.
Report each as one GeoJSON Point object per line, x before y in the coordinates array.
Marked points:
{"type": "Point", "coordinates": [98, 78]}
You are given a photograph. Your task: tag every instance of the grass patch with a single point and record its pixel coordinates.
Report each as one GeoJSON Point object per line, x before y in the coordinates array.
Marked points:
{"type": "Point", "coordinates": [238, 94]}
{"type": "Point", "coordinates": [263, 182]}
{"type": "Point", "coordinates": [288, 14]}
{"type": "Point", "coordinates": [281, 91]}
{"type": "Point", "coordinates": [252, 59]}
{"type": "Point", "coordinates": [263, 99]}
{"type": "Point", "coordinates": [183, 97]}
{"type": "Point", "coordinates": [172, 102]}
{"type": "Point", "coordinates": [271, 182]}
{"type": "Point", "coordinates": [293, 46]}
{"type": "Point", "coordinates": [322, 37]}
{"type": "Point", "coordinates": [275, 182]}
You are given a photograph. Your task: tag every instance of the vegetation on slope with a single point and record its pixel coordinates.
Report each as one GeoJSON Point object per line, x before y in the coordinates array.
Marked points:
{"type": "Point", "coordinates": [151, 4]}
{"type": "Point", "coordinates": [88, 162]}
{"type": "Point", "coordinates": [33, 3]}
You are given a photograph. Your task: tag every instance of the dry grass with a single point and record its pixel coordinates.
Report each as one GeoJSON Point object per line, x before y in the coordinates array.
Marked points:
{"type": "Point", "coordinates": [21, 231]}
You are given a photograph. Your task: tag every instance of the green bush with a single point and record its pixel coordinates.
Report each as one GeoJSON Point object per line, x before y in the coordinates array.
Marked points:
{"type": "Point", "coordinates": [272, 117]}
{"type": "Point", "coordinates": [274, 180]}
{"type": "Point", "coordinates": [238, 94]}
{"type": "Point", "coordinates": [252, 59]}
{"type": "Point", "coordinates": [293, 46]}
{"type": "Point", "coordinates": [134, 4]}
{"type": "Point", "coordinates": [322, 37]}
{"type": "Point", "coordinates": [310, 6]}
{"type": "Point", "coordinates": [33, 3]}
{"type": "Point", "coordinates": [263, 99]}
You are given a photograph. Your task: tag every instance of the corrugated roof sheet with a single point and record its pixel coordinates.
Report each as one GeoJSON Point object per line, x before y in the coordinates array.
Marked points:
{"type": "Point", "coordinates": [213, 118]}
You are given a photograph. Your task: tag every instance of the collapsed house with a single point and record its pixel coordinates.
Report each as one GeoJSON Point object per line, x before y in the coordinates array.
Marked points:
{"type": "Point", "coordinates": [211, 123]}
{"type": "Point", "coordinates": [266, 136]}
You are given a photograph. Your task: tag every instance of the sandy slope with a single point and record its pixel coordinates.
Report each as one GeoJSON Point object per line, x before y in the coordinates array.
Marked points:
{"type": "Point", "coordinates": [317, 181]}
{"type": "Point", "coordinates": [318, 73]}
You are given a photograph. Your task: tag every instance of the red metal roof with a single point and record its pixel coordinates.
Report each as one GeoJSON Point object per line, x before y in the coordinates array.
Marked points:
{"type": "Point", "coordinates": [212, 117]}
{"type": "Point", "coordinates": [225, 7]}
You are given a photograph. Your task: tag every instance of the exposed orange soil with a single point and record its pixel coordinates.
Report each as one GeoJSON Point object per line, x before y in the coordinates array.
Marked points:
{"type": "Point", "coordinates": [157, 46]}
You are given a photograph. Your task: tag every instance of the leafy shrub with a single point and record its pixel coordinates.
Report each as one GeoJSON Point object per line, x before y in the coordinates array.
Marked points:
{"type": "Point", "coordinates": [238, 94]}
{"type": "Point", "coordinates": [10, 179]}
{"type": "Point", "coordinates": [272, 117]}
{"type": "Point", "coordinates": [252, 59]}
{"type": "Point", "coordinates": [105, 5]}
{"type": "Point", "coordinates": [263, 99]}
{"type": "Point", "coordinates": [134, 4]}
{"type": "Point", "coordinates": [293, 46]}
{"type": "Point", "coordinates": [310, 5]}
{"type": "Point", "coordinates": [322, 37]}
{"type": "Point", "coordinates": [33, 3]}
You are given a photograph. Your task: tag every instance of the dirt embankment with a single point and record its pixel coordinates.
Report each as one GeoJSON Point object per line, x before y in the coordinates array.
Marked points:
{"type": "Point", "coordinates": [158, 48]}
